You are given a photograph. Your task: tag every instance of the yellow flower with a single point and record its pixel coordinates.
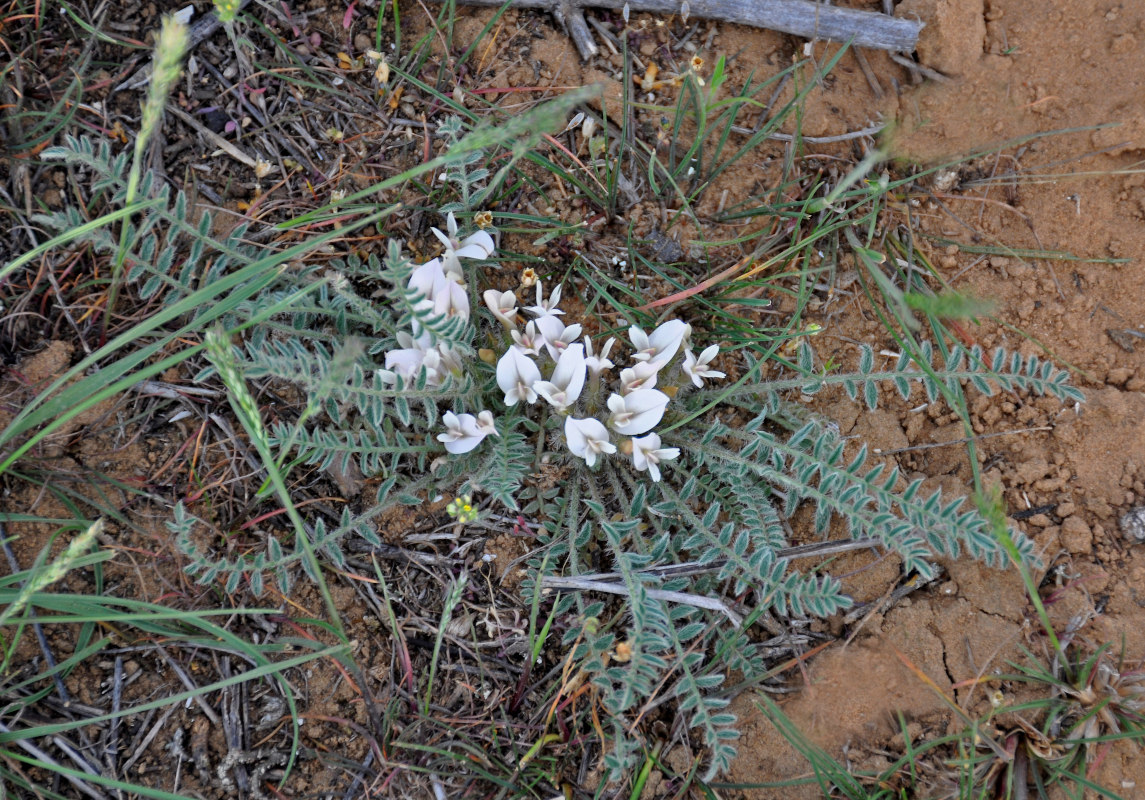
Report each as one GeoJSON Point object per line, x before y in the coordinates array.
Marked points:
{"type": "Point", "coordinates": [461, 509]}
{"type": "Point", "coordinates": [226, 10]}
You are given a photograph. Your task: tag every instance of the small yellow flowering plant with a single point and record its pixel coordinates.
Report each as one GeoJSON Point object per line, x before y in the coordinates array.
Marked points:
{"type": "Point", "coordinates": [227, 10]}
{"type": "Point", "coordinates": [461, 509]}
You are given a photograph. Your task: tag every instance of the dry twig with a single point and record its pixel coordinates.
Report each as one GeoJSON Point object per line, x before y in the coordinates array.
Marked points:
{"type": "Point", "coordinates": [592, 584]}
{"type": "Point", "coordinates": [799, 17]}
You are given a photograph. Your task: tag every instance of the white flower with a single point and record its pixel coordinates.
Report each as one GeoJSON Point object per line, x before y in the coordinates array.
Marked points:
{"type": "Point", "coordinates": [565, 386]}
{"type": "Point", "coordinates": [661, 345]}
{"type": "Point", "coordinates": [450, 299]}
{"type": "Point", "coordinates": [478, 245]}
{"type": "Point", "coordinates": [463, 432]}
{"type": "Point", "coordinates": [426, 277]}
{"type": "Point", "coordinates": [699, 368]}
{"type": "Point", "coordinates": [647, 454]}
{"type": "Point", "coordinates": [503, 305]}
{"type": "Point", "coordinates": [543, 309]}
{"type": "Point", "coordinates": [587, 438]}
{"type": "Point", "coordinates": [557, 335]}
{"type": "Point", "coordinates": [442, 292]}
{"type": "Point", "coordinates": [516, 374]}
{"type": "Point", "coordinates": [441, 362]}
{"type": "Point", "coordinates": [405, 361]}
{"type": "Point", "coordinates": [414, 354]}
{"type": "Point", "coordinates": [641, 375]}
{"type": "Point", "coordinates": [598, 364]}
{"type": "Point", "coordinates": [399, 362]}
{"type": "Point", "coordinates": [529, 342]}
{"type": "Point", "coordinates": [636, 413]}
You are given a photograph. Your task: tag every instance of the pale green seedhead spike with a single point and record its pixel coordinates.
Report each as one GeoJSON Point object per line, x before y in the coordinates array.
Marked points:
{"type": "Point", "coordinates": [169, 50]}
{"type": "Point", "coordinates": [45, 577]}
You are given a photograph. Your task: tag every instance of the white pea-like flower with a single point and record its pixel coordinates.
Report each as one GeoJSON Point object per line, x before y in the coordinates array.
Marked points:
{"type": "Point", "coordinates": [637, 412]}
{"type": "Point", "coordinates": [587, 438]}
{"type": "Point", "coordinates": [647, 454]}
{"type": "Point", "coordinates": [699, 368]}
{"type": "Point", "coordinates": [530, 342]}
{"type": "Point", "coordinates": [516, 374]}
{"type": "Point", "coordinates": [567, 381]}
{"type": "Point", "coordinates": [443, 292]}
{"type": "Point", "coordinates": [427, 277]}
{"type": "Point", "coordinates": [557, 335]}
{"type": "Point", "coordinates": [463, 432]}
{"type": "Point", "coordinates": [503, 305]}
{"type": "Point", "coordinates": [477, 245]}
{"type": "Point", "coordinates": [598, 364]}
{"type": "Point", "coordinates": [546, 309]}
{"type": "Point", "coordinates": [439, 362]}
{"type": "Point", "coordinates": [641, 375]}
{"type": "Point", "coordinates": [661, 345]}
{"type": "Point", "coordinates": [450, 299]}
{"type": "Point", "coordinates": [404, 361]}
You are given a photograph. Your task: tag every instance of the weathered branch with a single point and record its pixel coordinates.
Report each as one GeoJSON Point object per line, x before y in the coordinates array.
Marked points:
{"type": "Point", "coordinates": [608, 587]}
{"type": "Point", "coordinates": [803, 18]}
{"type": "Point", "coordinates": [571, 17]}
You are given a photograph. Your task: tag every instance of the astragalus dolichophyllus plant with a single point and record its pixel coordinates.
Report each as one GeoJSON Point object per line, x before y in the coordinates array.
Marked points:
{"type": "Point", "coordinates": [661, 532]}
{"type": "Point", "coordinates": [689, 510]}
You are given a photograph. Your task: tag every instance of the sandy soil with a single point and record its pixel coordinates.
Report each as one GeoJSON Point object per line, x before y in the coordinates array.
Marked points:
{"type": "Point", "coordinates": [1032, 68]}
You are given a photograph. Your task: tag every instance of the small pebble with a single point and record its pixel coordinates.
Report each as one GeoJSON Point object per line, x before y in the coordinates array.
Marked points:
{"type": "Point", "coordinates": [1133, 525]}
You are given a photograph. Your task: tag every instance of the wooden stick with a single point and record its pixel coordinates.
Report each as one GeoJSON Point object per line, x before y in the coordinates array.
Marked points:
{"type": "Point", "coordinates": [684, 598]}
{"type": "Point", "coordinates": [212, 137]}
{"type": "Point", "coordinates": [803, 18]}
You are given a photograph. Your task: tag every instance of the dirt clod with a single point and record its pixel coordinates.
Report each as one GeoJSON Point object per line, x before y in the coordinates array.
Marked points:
{"type": "Point", "coordinates": [952, 40]}
{"type": "Point", "coordinates": [1076, 536]}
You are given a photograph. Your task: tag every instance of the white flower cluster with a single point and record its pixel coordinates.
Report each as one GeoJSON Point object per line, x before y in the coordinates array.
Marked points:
{"type": "Point", "coordinates": [441, 283]}
{"type": "Point", "coordinates": [632, 409]}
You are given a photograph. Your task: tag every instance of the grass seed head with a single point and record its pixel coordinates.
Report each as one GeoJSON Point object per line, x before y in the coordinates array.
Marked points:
{"type": "Point", "coordinates": [169, 50]}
